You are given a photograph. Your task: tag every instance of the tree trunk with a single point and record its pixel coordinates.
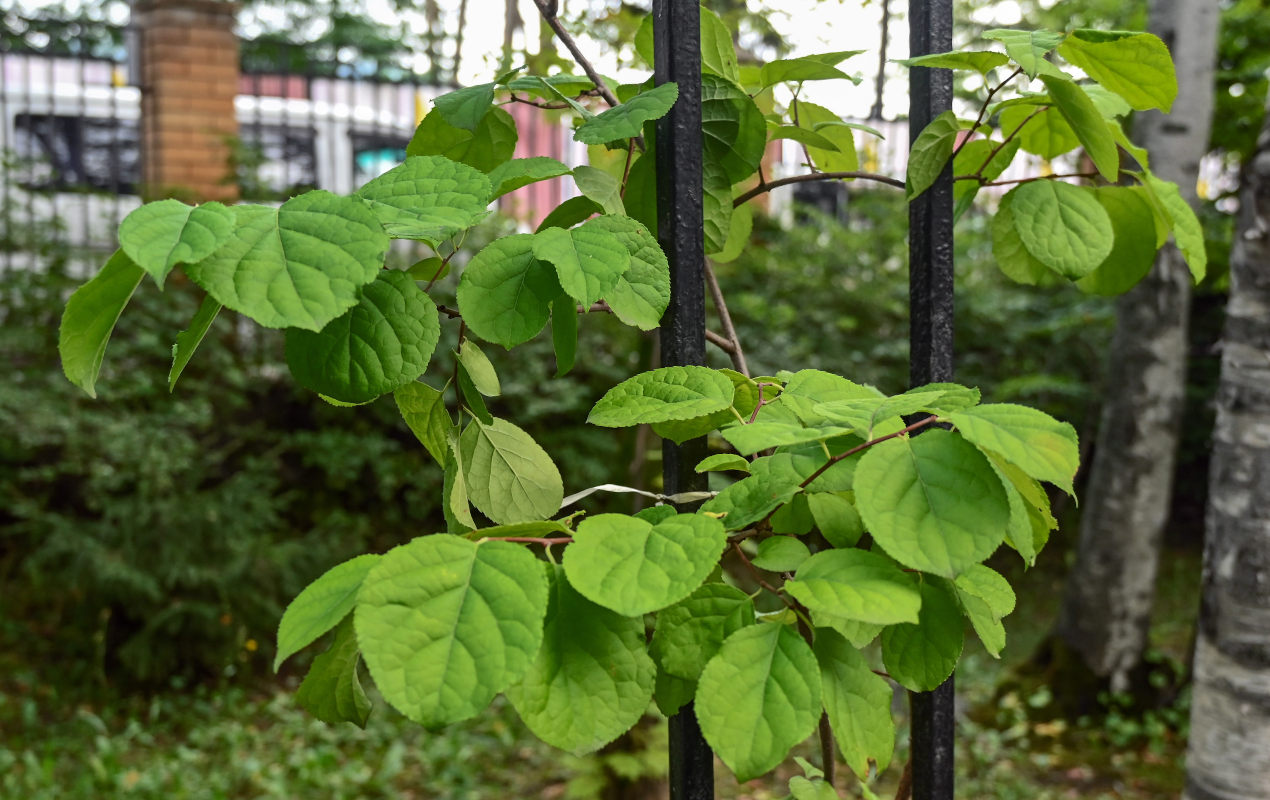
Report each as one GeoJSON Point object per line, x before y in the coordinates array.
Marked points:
{"type": "Point", "coordinates": [1229, 756]}
{"type": "Point", "coordinates": [1107, 604]}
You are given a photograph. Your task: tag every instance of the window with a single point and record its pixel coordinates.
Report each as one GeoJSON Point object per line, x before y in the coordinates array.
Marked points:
{"type": "Point", "coordinates": [77, 153]}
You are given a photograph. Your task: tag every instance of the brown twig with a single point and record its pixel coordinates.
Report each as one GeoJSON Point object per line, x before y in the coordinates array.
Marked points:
{"type": "Point", "coordinates": [904, 791]}
{"type": "Point", "coordinates": [1006, 140]}
{"type": "Point", "coordinates": [828, 759]}
{"type": "Point", "coordinates": [548, 11]}
{"type": "Point", "coordinates": [758, 576]}
{"type": "Point", "coordinates": [537, 104]}
{"type": "Point", "coordinates": [449, 312]}
{"type": "Point", "coordinates": [626, 170]}
{"type": "Point", "coordinates": [722, 342]}
{"type": "Point", "coordinates": [545, 542]}
{"type": "Point", "coordinates": [982, 182]}
{"type": "Point", "coordinates": [921, 423]}
{"type": "Point", "coordinates": [725, 319]}
{"type": "Point", "coordinates": [984, 108]}
{"type": "Point", "coordinates": [767, 186]}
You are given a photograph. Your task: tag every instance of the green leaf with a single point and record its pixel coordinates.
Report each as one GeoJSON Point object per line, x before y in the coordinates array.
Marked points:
{"type": "Point", "coordinates": [642, 292]}
{"type": "Point", "coordinates": [1026, 48]}
{"type": "Point", "coordinates": [188, 340]}
{"type": "Point", "coordinates": [627, 120]}
{"type": "Point", "coordinates": [721, 462]}
{"type": "Point", "coordinates": [512, 175]}
{"type": "Point", "coordinates": [1135, 66]}
{"type": "Point", "coordinates": [321, 606]}
{"type": "Point", "coordinates": [445, 624]}
{"type": "Point", "coordinates": [383, 342]}
{"type": "Point", "coordinates": [570, 213]}
{"type": "Point", "coordinates": [1109, 104]}
{"type": "Point", "coordinates": [801, 135]}
{"type": "Point", "coordinates": [297, 266]}
{"type": "Point", "coordinates": [1062, 226]}
{"type": "Point", "coordinates": [1038, 444]}
{"type": "Point", "coordinates": [1047, 134]}
{"type": "Point", "coordinates": [592, 679]}
{"type": "Point", "coordinates": [588, 260]}
{"type": "Point", "coordinates": [740, 225]}
{"type": "Point", "coordinates": [985, 597]}
{"type": "Point", "coordinates": [818, 67]}
{"type": "Point", "coordinates": [331, 690]}
{"type": "Point", "coordinates": [734, 129]}
{"type": "Point", "coordinates": [780, 553]}
{"type": "Point", "coordinates": [491, 144]}
{"type": "Point", "coordinates": [672, 693]}
{"type": "Point", "coordinates": [482, 373]}
{"type": "Point", "coordinates": [869, 417]}
{"type": "Point", "coordinates": [564, 333]}
{"type": "Point", "coordinates": [858, 703]}
{"type": "Point", "coordinates": [601, 187]}
{"type": "Point", "coordinates": [472, 399]}
{"type": "Point", "coordinates": [1187, 231]}
{"type": "Point", "coordinates": [90, 317]}
{"type": "Point", "coordinates": [428, 198]}
{"type": "Point", "coordinates": [716, 207]}
{"type": "Point", "coordinates": [836, 518]}
{"type": "Point", "coordinates": [568, 85]}
{"type": "Point", "coordinates": [508, 476]}
{"type": "Point", "coordinates": [809, 388]}
{"type": "Point", "coordinates": [981, 61]}
{"type": "Point", "coordinates": [1133, 251]}
{"type": "Point", "coordinates": [465, 108]}
{"type": "Point", "coordinates": [505, 293]}
{"type": "Point", "coordinates": [158, 236]}
{"type": "Point", "coordinates": [432, 268]}
{"type": "Point", "coordinates": [801, 788]}
{"type": "Point", "coordinates": [661, 395]}
{"type": "Point", "coordinates": [456, 508]}
{"type": "Point", "coordinates": [930, 153]}
{"type": "Point", "coordinates": [423, 409]}
{"type": "Point", "coordinates": [830, 127]}
{"type": "Point", "coordinates": [855, 585]}
{"type": "Point", "coordinates": [920, 657]}
{"type": "Point", "coordinates": [718, 55]}
{"type": "Point", "coordinates": [690, 632]}
{"type": "Point", "coordinates": [1088, 124]}
{"type": "Point", "coordinates": [633, 567]}
{"type": "Point", "coordinates": [1011, 256]}
{"type": "Point", "coordinates": [793, 518]}
{"type": "Point", "coordinates": [932, 502]}
{"type": "Point", "coordinates": [758, 697]}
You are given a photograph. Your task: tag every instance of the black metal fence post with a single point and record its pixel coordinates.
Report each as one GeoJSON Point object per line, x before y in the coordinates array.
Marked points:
{"type": "Point", "coordinates": [931, 343]}
{"type": "Point", "coordinates": [677, 47]}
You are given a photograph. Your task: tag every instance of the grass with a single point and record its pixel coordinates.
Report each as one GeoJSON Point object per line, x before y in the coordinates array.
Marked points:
{"type": "Point", "coordinates": [68, 743]}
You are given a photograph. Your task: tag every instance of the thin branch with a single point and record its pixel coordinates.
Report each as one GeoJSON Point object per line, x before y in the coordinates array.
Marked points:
{"type": "Point", "coordinates": [1033, 178]}
{"type": "Point", "coordinates": [626, 170]}
{"type": "Point", "coordinates": [1007, 139]}
{"type": "Point", "coordinates": [828, 760]}
{"type": "Point", "coordinates": [762, 400]}
{"type": "Point", "coordinates": [530, 540]}
{"type": "Point", "coordinates": [449, 312]}
{"type": "Point", "coordinates": [984, 108]}
{"type": "Point", "coordinates": [876, 111]}
{"type": "Point", "coordinates": [725, 319]}
{"type": "Point", "coordinates": [904, 790]}
{"type": "Point", "coordinates": [816, 176]}
{"type": "Point", "coordinates": [758, 576]}
{"type": "Point", "coordinates": [515, 98]}
{"type": "Point", "coordinates": [921, 423]}
{"type": "Point", "coordinates": [548, 11]}
{"type": "Point", "coordinates": [722, 342]}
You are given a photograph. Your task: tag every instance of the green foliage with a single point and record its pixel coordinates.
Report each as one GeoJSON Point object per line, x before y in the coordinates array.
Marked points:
{"type": "Point", "coordinates": [449, 620]}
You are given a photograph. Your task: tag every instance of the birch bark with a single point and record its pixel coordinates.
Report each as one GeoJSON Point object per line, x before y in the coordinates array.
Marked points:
{"type": "Point", "coordinates": [1229, 755]}
{"type": "Point", "coordinates": [1107, 603]}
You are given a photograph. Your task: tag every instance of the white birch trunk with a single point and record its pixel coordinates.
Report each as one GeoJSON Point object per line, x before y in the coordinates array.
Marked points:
{"type": "Point", "coordinates": [1107, 604]}
{"type": "Point", "coordinates": [1229, 756]}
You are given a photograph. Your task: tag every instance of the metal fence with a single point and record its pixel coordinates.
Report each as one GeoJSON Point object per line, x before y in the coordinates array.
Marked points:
{"type": "Point", "coordinates": [71, 138]}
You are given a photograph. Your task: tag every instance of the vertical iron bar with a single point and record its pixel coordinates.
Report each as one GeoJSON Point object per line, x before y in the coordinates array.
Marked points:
{"type": "Point", "coordinates": [677, 49]}
{"type": "Point", "coordinates": [931, 343]}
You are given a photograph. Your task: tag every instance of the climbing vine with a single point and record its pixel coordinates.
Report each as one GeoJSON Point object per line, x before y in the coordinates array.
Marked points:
{"type": "Point", "coordinates": [853, 529]}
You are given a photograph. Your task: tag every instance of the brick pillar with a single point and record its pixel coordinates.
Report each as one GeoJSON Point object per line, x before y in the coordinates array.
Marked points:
{"type": "Point", "coordinates": [189, 76]}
